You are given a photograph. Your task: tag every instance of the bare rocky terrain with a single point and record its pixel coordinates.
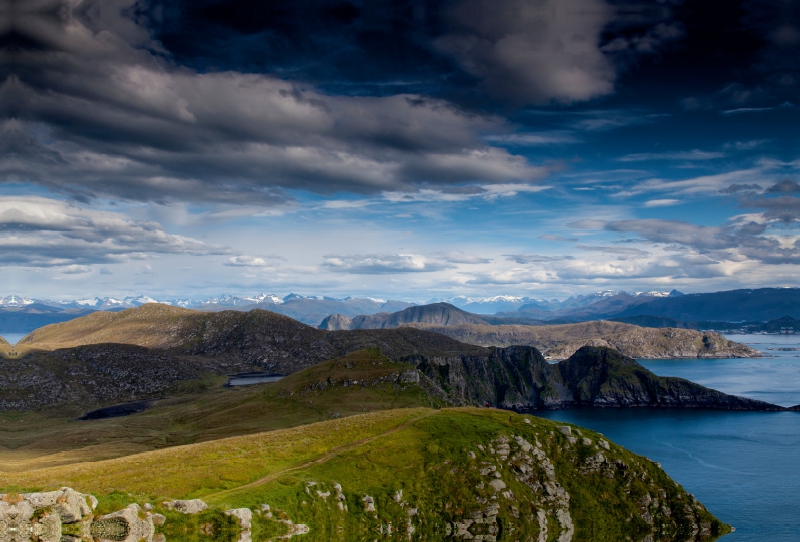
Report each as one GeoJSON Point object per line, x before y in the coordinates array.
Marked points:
{"type": "Point", "coordinates": [555, 341]}
{"type": "Point", "coordinates": [561, 341]}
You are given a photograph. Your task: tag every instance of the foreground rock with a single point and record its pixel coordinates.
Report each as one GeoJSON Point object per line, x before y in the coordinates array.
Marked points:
{"type": "Point", "coordinates": [43, 516]}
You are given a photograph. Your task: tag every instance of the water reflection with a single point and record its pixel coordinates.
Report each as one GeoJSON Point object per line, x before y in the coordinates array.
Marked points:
{"type": "Point", "coordinates": [67, 515]}
{"type": "Point", "coordinates": [246, 379]}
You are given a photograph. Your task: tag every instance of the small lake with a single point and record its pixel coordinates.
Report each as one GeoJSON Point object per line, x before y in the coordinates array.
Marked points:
{"type": "Point", "coordinates": [246, 379]}
{"type": "Point", "coordinates": [742, 465]}
{"type": "Point", "coordinates": [12, 338]}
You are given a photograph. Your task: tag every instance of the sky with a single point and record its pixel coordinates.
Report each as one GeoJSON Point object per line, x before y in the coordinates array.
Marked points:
{"type": "Point", "coordinates": [400, 149]}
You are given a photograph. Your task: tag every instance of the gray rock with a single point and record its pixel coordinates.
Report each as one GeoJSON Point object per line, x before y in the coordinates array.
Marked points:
{"type": "Point", "coordinates": [191, 506]}
{"type": "Point", "coordinates": [497, 484]}
{"type": "Point", "coordinates": [244, 515]}
{"type": "Point", "coordinates": [137, 528]}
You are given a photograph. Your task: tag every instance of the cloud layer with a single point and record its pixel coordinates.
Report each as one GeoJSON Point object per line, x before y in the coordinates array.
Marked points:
{"type": "Point", "coordinates": [98, 110]}
{"type": "Point", "coordinates": [42, 232]}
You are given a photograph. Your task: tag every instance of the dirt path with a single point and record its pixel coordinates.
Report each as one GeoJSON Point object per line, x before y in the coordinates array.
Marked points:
{"type": "Point", "coordinates": [334, 452]}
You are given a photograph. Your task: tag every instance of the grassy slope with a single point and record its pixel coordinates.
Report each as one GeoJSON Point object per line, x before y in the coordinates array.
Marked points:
{"type": "Point", "coordinates": [5, 347]}
{"type": "Point", "coordinates": [32, 440]}
{"type": "Point", "coordinates": [152, 325]}
{"type": "Point", "coordinates": [422, 452]}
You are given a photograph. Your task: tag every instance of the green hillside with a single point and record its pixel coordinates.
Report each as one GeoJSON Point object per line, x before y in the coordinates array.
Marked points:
{"type": "Point", "coordinates": [364, 381]}
{"type": "Point", "coordinates": [426, 473]}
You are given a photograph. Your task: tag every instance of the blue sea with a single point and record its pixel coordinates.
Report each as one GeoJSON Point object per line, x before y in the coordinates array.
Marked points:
{"type": "Point", "coordinates": [744, 466]}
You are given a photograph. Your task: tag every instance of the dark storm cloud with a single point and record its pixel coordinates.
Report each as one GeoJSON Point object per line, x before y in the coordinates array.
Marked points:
{"type": "Point", "coordinates": [237, 101]}
{"type": "Point", "coordinates": [525, 51]}
{"type": "Point", "coordinates": [739, 187]}
{"type": "Point", "coordinates": [784, 209]}
{"type": "Point", "coordinates": [786, 186]}
{"type": "Point", "coordinates": [99, 109]}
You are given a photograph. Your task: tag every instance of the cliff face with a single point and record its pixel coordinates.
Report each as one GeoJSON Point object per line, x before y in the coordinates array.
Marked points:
{"type": "Point", "coordinates": [597, 376]}
{"type": "Point", "coordinates": [508, 378]}
{"type": "Point", "coordinates": [520, 378]}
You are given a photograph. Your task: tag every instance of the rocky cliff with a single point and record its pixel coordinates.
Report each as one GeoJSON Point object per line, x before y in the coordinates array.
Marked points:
{"type": "Point", "coordinates": [602, 377]}
{"type": "Point", "coordinates": [519, 378]}
{"type": "Point", "coordinates": [561, 341]}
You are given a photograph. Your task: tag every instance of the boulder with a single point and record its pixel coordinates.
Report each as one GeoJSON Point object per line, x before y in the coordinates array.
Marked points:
{"type": "Point", "coordinates": [70, 505]}
{"type": "Point", "coordinates": [123, 526]}
{"type": "Point", "coordinates": [190, 506]}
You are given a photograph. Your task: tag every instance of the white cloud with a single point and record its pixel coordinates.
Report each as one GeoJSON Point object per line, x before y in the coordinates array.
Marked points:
{"type": "Point", "coordinates": [378, 264]}
{"type": "Point", "coordinates": [661, 202]}
{"type": "Point", "coordinates": [247, 261]}
{"type": "Point", "coordinates": [622, 251]}
{"type": "Point", "coordinates": [43, 232]}
{"type": "Point", "coordinates": [460, 257]}
{"type": "Point", "coordinates": [75, 269]}
{"type": "Point", "coordinates": [534, 258]}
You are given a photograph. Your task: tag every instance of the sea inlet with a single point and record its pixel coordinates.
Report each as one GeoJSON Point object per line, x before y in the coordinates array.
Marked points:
{"type": "Point", "coordinates": [742, 465]}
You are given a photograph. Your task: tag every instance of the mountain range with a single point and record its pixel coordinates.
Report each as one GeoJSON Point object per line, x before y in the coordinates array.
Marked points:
{"type": "Point", "coordinates": [723, 310]}
{"type": "Point", "coordinates": [156, 350]}
{"type": "Point", "coordinates": [19, 314]}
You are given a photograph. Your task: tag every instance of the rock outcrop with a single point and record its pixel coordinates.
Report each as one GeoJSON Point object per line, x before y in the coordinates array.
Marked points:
{"type": "Point", "coordinates": [190, 506]}
{"type": "Point", "coordinates": [41, 517]}
{"type": "Point", "coordinates": [125, 525]}
{"type": "Point", "coordinates": [336, 322]}
{"type": "Point", "coordinates": [602, 377]}
{"type": "Point", "coordinates": [561, 341]}
{"type": "Point", "coordinates": [519, 378]}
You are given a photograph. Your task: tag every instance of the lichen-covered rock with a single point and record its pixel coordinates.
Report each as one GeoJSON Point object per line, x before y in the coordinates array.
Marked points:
{"type": "Point", "coordinates": [190, 506]}
{"type": "Point", "coordinates": [70, 505]}
{"type": "Point", "coordinates": [125, 525]}
{"type": "Point", "coordinates": [243, 515]}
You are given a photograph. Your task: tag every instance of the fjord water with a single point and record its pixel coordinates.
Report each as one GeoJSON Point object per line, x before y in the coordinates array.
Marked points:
{"type": "Point", "coordinates": [742, 465]}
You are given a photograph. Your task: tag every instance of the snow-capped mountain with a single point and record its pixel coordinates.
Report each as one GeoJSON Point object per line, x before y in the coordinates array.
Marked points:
{"type": "Point", "coordinates": [653, 294]}
{"type": "Point", "coordinates": [15, 301]}
{"type": "Point", "coordinates": [101, 303]}
{"type": "Point", "coordinates": [235, 301]}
